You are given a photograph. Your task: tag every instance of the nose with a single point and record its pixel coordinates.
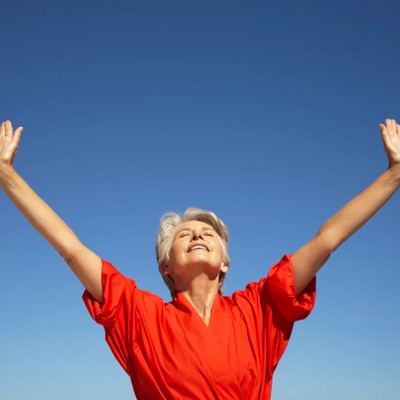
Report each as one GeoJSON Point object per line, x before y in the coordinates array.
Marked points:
{"type": "Point", "coordinates": [196, 235]}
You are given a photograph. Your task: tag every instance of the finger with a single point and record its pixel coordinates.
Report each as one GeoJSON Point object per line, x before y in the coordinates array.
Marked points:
{"type": "Point", "coordinates": [17, 136]}
{"type": "Point", "coordinates": [8, 128]}
{"type": "Point", "coordinates": [389, 124]}
{"type": "Point", "coordinates": [2, 129]}
{"type": "Point", "coordinates": [382, 127]}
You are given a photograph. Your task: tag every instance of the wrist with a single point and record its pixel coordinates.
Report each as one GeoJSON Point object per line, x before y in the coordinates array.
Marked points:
{"type": "Point", "coordinates": [394, 169]}
{"type": "Point", "coordinates": [6, 173]}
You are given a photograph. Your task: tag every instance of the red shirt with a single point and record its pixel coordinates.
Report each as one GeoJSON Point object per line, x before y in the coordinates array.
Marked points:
{"type": "Point", "coordinates": [169, 353]}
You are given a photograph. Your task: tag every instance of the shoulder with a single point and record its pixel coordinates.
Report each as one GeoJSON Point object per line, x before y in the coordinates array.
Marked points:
{"type": "Point", "coordinates": [121, 297]}
{"type": "Point", "coordinates": [276, 292]}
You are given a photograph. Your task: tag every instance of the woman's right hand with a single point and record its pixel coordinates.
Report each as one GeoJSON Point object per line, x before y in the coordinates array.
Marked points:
{"type": "Point", "coordinates": [9, 141]}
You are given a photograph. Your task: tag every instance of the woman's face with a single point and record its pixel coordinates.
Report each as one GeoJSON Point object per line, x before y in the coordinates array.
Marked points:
{"type": "Point", "coordinates": [196, 248]}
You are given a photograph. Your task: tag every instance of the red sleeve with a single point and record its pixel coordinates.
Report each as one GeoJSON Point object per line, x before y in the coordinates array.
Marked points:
{"type": "Point", "coordinates": [283, 308]}
{"type": "Point", "coordinates": [281, 288]}
{"type": "Point", "coordinates": [115, 313]}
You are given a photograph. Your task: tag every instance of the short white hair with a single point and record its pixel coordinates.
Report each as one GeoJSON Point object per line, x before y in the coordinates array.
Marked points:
{"type": "Point", "coordinates": [168, 224]}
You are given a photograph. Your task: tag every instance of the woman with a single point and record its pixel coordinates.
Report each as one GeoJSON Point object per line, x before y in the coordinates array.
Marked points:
{"type": "Point", "coordinates": [201, 345]}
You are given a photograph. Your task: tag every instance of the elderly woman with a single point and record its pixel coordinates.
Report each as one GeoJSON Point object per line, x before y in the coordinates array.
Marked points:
{"type": "Point", "coordinates": [201, 345]}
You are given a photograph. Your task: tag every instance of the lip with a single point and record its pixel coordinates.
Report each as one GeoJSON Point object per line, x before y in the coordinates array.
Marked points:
{"type": "Point", "coordinates": [198, 244]}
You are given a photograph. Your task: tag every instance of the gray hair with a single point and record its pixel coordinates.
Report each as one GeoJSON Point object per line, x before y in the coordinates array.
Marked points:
{"type": "Point", "coordinates": [168, 224]}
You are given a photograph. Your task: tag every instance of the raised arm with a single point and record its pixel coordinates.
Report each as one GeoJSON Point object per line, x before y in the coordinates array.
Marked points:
{"type": "Point", "coordinates": [84, 263]}
{"type": "Point", "coordinates": [311, 257]}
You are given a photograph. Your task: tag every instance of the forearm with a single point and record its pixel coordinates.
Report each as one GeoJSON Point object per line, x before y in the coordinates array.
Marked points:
{"type": "Point", "coordinates": [38, 213]}
{"type": "Point", "coordinates": [313, 255]}
{"type": "Point", "coordinates": [360, 209]}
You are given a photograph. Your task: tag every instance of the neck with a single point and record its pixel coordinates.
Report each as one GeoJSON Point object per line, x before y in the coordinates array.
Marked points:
{"type": "Point", "coordinates": [201, 295]}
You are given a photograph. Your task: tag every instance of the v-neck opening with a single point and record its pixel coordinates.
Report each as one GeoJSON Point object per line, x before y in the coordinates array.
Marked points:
{"type": "Point", "coordinates": [181, 299]}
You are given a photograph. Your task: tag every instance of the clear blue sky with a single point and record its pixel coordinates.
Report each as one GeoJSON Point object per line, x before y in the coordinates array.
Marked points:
{"type": "Point", "coordinates": [265, 112]}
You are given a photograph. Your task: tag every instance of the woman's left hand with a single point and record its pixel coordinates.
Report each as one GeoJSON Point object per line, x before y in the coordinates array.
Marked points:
{"type": "Point", "coordinates": [391, 140]}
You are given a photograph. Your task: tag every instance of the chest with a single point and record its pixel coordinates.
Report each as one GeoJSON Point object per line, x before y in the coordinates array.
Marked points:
{"type": "Point", "coordinates": [180, 345]}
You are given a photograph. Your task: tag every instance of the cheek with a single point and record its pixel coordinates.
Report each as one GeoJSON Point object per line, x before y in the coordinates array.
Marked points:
{"type": "Point", "coordinates": [220, 250]}
{"type": "Point", "coordinates": [175, 251]}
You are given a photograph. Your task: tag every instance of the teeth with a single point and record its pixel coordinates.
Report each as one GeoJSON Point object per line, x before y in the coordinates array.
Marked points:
{"type": "Point", "coordinates": [198, 246]}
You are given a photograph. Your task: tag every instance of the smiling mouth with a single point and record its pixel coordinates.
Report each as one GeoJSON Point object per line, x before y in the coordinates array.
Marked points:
{"type": "Point", "coordinates": [197, 247]}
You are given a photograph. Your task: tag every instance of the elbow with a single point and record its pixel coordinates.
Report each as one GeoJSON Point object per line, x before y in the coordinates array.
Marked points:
{"type": "Point", "coordinates": [328, 241]}
{"type": "Point", "coordinates": [69, 249]}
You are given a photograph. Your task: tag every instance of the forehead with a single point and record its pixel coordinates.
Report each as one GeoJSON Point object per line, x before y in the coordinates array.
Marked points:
{"type": "Point", "coordinates": [193, 225]}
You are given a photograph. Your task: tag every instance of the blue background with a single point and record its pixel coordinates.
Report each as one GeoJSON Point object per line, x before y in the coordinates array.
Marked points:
{"type": "Point", "coordinates": [265, 112]}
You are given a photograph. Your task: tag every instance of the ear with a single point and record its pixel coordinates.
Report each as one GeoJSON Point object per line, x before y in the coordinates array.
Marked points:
{"type": "Point", "coordinates": [164, 269]}
{"type": "Point", "coordinates": [224, 268]}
